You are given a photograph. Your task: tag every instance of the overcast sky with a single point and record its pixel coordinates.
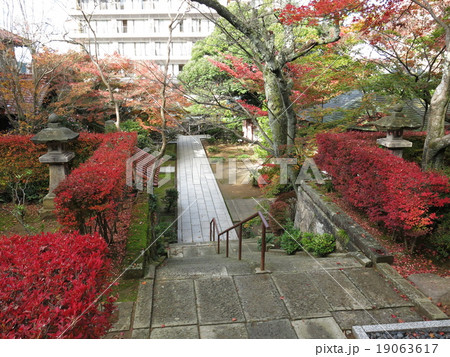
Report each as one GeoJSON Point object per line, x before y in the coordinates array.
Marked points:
{"type": "Point", "coordinates": [42, 19]}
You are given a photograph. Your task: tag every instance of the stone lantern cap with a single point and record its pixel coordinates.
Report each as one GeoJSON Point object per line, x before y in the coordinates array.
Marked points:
{"type": "Point", "coordinates": [55, 136]}
{"type": "Point", "coordinates": [55, 132]}
{"type": "Point", "coordinates": [396, 121]}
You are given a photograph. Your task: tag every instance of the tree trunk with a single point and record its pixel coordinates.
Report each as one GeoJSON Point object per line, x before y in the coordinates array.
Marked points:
{"type": "Point", "coordinates": [275, 106]}
{"type": "Point", "coordinates": [434, 147]}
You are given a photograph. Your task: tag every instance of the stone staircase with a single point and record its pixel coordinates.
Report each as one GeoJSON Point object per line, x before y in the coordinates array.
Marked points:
{"type": "Point", "coordinates": [196, 293]}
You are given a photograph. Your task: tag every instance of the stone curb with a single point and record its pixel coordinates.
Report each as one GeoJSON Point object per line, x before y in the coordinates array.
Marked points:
{"type": "Point", "coordinates": [359, 237]}
{"type": "Point", "coordinates": [361, 332]}
{"type": "Point", "coordinates": [423, 304]}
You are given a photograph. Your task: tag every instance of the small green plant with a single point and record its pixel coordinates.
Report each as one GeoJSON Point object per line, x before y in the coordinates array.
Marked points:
{"type": "Point", "coordinates": [170, 199]}
{"type": "Point", "coordinates": [319, 244]}
{"type": "Point", "coordinates": [166, 232]}
{"type": "Point", "coordinates": [290, 239]}
{"type": "Point", "coordinates": [272, 241]}
{"type": "Point", "coordinates": [243, 156]}
{"type": "Point", "coordinates": [343, 236]}
{"type": "Point", "coordinates": [213, 150]}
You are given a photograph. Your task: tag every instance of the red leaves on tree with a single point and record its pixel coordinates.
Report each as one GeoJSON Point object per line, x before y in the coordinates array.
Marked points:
{"type": "Point", "coordinates": [316, 9]}
{"type": "Point", "coordinates": [249, 75]}
{"type": "Point", "coordinates": [54, 285]}
{"type": "Point", "coordinates": [19, 155]}
{"type": "Point", "coordinates": [387, 188]}
{"type": "Point", "coordinates": [90, 197]}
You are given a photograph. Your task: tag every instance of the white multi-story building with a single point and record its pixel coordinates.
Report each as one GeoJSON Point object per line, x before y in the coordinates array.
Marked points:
{"type": "Point", "coordinates": [139, 29]}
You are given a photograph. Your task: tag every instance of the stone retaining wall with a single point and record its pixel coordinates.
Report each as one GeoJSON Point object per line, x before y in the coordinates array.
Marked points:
{"type": "Point", "coordinates": [317, 215]}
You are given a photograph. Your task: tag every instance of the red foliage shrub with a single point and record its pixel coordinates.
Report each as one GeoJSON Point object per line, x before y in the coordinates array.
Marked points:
{"type": "Point", "coordinates": [279, 214]}
{"type": "Point", "coordinates": [54, 285]}
{"type": "Point", "coordinates": [387, 188]}
{"type": "Point", "coordinates": [89, 198]}
{"type": "Point", "coordinates": [19, 160]}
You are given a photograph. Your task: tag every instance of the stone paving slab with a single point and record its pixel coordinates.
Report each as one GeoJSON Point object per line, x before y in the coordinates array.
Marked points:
{"type": "Point", "coordinates": [142, 314]}
{"type": "Point", "coordinates": [323, 328]}
{"type": "Point", "coordinates": [434, 286]}
{"type": "Point", "coordinates": [301, 296]}
{"type": "Point", "coordinates": [241, 208]}
{"type": "Point", "coordinates": [124, 311]}
{"type": "Point", "coordinates": [174, 303]}
{"type": "Point", "coordinates": [191, 268]}
{"type": "Point", "coordinates": [279, 329]}
{"type": "Point", "coordinates": [228, 331]}
{"type": "Point", "coordinates": [339, 291]}
{"type": "Point", "coordinates": [217, 301]}
{"type": "Point", "coordinates": [347, 319]}
{"type": "Point", "coordinates": [178, 332]}
{"type": "Point", "coordinates": [377, 289]}
{"type": "Point", "coordinates": [141, 334]}
{"type": "Point", "coordinates": [259, 297]}
{"type": "Point", "coordinates": [200, 199]}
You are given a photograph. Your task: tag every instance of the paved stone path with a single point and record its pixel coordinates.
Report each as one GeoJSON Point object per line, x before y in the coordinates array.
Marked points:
{"type": "Point", "coordinates": [200, 199]}
{"type": "Point", "coordinates": [199, 294]}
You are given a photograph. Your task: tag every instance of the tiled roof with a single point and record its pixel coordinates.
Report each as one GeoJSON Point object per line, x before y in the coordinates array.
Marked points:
{"type": "Point", "coordinates": [11, 38]}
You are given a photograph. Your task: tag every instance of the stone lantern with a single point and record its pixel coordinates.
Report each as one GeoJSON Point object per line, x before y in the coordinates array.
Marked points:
{"type": "Point", "coordinates": [394, 124]}
{"type": "Point", "coordinates": [56, 137]}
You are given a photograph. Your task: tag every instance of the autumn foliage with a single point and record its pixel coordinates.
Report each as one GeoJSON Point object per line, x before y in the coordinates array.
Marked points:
{"type": "Point", "coordinates": [19, 160]}
{"type": "Point", "coordinates": [390, 190]}
{"type": "Point", "coordinates": [90, 198]}
{"type": "Point", "coordinates": [54, 286]}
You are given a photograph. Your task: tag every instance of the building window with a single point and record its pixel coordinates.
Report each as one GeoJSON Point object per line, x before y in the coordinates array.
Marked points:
{"type": "Point", "coordinates": [155, 4]}
{"type": "Point", "coordinates": [196, 25]}
{"type": "Point", "coordinates": [140, 49]}
{"type": "Point", "coordinates": [100, 26]}
{"type": "Point", "coordinates": [180, 67]}
{"type": "Point", "coordinates": [145, 4]}
{"type": "Point", "coordinates": [120, 4]}
{"type": "Point", "coordinates": [160, 48]}
{"type": "Point", "coordinates": [160, 25]}
{"type": "Point", "coordinates": [82, 28]}
{"type": "Point", "coordinates": [181, 26]}
{"type": "Point", "coordinates": [122, 26]}
{"type": "Point", "coordinates": [179, 48]}
{"type": "Point", "coordinates": [104, 4]}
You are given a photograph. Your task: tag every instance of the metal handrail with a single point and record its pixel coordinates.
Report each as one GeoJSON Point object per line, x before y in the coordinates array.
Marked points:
{"type": "Point", "coordinates": [213, 229]}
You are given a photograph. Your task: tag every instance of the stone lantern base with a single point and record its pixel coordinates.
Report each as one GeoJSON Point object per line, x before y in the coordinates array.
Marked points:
{"type": "Point", "coordinates": [395, 145]}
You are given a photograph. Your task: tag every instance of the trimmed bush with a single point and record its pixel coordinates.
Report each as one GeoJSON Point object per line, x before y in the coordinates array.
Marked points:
{"type": "Point", "coordinates": [89, 199]}
{"type": "Point", "coordinates": [54, 285]}
{"type": "Point", "coordinates": [290, 239]}
{"type": "Point", "coordinates": [319, 244]}
{"type": "Point", "coordinates": [279, 214]}
{"type": "Point", "coordinates": [390, 190]}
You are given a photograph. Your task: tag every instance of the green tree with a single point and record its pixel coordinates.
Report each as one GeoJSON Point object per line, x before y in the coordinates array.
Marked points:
{"type": "Point", "coordinates": [254, 30]}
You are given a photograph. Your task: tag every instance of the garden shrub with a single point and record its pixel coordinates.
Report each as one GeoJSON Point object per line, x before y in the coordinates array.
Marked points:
{"type": "Point", "coordinates": [170, 199]}
{"type": "Point", "coordinates": [290, 198]}
{"type": "Point", "coordinates": [89, 198]}
{"type": "Point", "coordinates": [143, 138]}
{"type": "Point", "coordinates": [271, 239]}
{"type": "Point", "coordinates": [319, 244]}
{"type": "Point", "coordinates": [19, 155]}
{"type": "Point", "coordinates": [390, 190]}
{"type": "Point", "coordinates": [213, 150]}
{"type": "Point", "coordinates": [54, 285]}
{"type": "Point", "coordinates": [290, 239]}
{"type": "Point", "coordinates": [279, 214]}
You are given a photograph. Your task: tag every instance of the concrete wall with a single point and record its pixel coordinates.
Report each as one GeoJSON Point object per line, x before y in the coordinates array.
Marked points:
{"type": "Point", "coordinates": [316, 214]}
